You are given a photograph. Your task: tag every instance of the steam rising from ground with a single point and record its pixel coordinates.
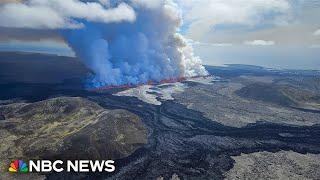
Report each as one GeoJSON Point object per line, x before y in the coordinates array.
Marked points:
{"type": "Point", "coordinates": [155, 94]}
{"type": "Point", "coordinates": [121, 41]}
{"type": "Point", "coordinates": [135, 52]}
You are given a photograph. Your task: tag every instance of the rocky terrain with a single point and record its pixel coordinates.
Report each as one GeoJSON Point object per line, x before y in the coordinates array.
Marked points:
{"type": "Point", "coordinates": [245, 122]}
{"type": "Point", "coordinates": [223, 106]}
{"type": "Point", "coordinates": [283, 92]}
{"type": "Point", "coordinates": [279, 165]}
{"type": "Point", "coordinates": [67, 128]}
{"type": "Point", "coordinates": [241, 101]}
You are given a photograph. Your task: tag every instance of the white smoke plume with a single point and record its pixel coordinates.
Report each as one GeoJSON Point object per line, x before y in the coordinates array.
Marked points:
{"type": "Point", "coordinates": [121, 41]}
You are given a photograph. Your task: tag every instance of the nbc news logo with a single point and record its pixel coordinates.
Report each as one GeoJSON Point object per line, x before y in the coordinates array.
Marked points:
{"type": "Point", "coordinates": [19, 166]}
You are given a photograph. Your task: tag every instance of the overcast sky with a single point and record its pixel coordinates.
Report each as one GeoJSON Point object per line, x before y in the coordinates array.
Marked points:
{"type": "Point", "coordinates": [273, 33]}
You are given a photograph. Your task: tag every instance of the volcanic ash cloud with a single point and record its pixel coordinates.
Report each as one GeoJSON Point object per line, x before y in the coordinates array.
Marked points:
{"type": "Point", "coordinates": [122, 42]}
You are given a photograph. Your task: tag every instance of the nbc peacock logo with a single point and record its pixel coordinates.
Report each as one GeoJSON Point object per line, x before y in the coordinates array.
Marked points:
{"type": "Point", "coordinates": [18, 166]}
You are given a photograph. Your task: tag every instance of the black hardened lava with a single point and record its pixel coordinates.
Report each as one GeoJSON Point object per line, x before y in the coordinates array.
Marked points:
{"type": "Point", "coordinates": [185, 143]}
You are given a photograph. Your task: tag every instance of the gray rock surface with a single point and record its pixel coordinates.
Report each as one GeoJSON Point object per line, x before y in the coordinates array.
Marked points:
{"type": "Point", "coordinates": [280, 165]}
{"type": "Point", "coordinates": [220, 102]}
{"type": "Point", "coordinates": [67, 128]}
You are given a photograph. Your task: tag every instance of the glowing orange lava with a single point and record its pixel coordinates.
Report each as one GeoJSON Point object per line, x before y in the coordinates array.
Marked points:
{"type": "Point", "coordinates": [126, 86]}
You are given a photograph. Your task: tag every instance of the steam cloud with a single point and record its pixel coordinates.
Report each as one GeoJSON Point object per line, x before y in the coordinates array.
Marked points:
{"type": "Point", "coordinates": [127, 41]}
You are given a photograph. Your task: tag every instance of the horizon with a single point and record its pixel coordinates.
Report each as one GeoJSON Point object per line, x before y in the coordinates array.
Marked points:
{"type": "Point", "coordinates": [212, 65]}
{"type": "Point", "coordinates": [274, 34]}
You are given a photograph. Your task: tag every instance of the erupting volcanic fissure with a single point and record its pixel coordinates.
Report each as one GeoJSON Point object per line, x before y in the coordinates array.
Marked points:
{"type": "Point", "coordinates": [150, 82]}
{"type": "Point", "coordinates": [121, 41]}
{"type": "Point", "coordinates": [135, 51]}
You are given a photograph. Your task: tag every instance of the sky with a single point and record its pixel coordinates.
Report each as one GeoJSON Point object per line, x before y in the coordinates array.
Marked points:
{"type": "Point", "coordinates": [271, 33]}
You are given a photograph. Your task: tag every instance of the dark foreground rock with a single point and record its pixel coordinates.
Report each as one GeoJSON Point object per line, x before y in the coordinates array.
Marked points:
{"type": "Point", "coordinates": [279, 165]}
{"type": "Point", "coordinates": [67, 128]}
